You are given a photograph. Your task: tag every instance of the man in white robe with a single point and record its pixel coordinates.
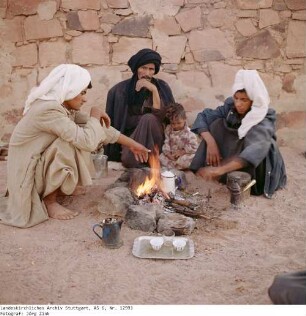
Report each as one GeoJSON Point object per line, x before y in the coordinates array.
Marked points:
{"type": "Point", "coordinates": [49, 152]}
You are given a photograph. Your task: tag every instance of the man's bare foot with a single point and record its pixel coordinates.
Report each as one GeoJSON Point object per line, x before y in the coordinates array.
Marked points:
{"type": "Point", "coordinates": [57, 211]}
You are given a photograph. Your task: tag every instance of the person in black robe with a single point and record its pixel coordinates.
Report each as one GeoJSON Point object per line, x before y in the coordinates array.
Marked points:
{"type": "Point", "coordinates": [136, 107]}
{"type": "Point", "coordinates": [240, 135]}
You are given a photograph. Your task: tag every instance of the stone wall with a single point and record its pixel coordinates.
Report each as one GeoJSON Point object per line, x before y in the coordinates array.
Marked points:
{"type": "Point", "coordinates": [202, 42]}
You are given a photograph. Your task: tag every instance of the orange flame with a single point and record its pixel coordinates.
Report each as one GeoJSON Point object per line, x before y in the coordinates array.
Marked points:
{"type": "Point", "coordinates": [153, 181]}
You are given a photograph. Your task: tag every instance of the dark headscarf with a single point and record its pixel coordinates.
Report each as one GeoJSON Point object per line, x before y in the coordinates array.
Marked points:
{"type": "Point", "coordinates": [143, 57]}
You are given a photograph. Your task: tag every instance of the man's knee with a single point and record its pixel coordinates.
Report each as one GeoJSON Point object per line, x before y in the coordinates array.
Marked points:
{"type": "Point", "coordinates": [148, 118]}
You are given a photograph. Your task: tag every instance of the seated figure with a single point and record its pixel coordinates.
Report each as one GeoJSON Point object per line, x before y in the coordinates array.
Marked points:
{"type": "Point", "coordinates": [137, 106]}
{"type": "Point", "coordinates": [240, 135]}
{"type": "Point", "coordinates": [49, 152]}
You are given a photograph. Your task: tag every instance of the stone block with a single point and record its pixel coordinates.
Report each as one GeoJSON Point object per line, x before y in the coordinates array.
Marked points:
{"type": "Point", "coordinates": [102, 78]}
{"type": "Point", "coordinates": [73, 21]}
{"type": "Point", "coordinates": [282, 68]}
{"type": "Point", "coordinates": [136, 27]}
{"type": "Point", "coordinates": [265, 4]}
{"type": "Point", "coordinates": [189, 58]}
{"type": "Point", "coordinates": [288, 83]}
{"type": "Point", "coordinates": [279, 5]}
{"type": "Point", "coordinates": [90, 48]}
{"type": "Point", "coordinates": [251, 4]}
{"type": "Point", "coordinates": [126, 47]}
{"type": "Point", "coordinates": [217, 18]}
{"type": "Point", "coordinates": [296, 61]}
{"type": "Point", "coordinates": [143, 217]}
{"type": "Point", "coordinates": [180, 224]}
{"type": "Point", "coordinates": [12, 30]}
{"type": "Point", "coordinates": [296, 39]}
{"type": "Point", "coordinates": [262, 46]}
{"type": "Point", "coordinates": [190, 19]}
{"type": "Point", "coordinates": [295, 119]}
{"type": "Point", "coordinates": [300, 15]}
{"type": "Point", "coordinates": [192, 104]}
{"type": "Point", "coordinates": [81, 4]}
{"type": "Point", "coordinates": [247, 4]}
{"type": "Point", "coordinates": [110, 18]}
{"type": "Point", "coordinates": [285, 14]}
{"type": "Point", "coordinates": [296, 4]}
{"type": "Point", "coordinates": [89, 20]}
{"type": "Point", "coordinates": [156, 8]}
{"type": "Point", "coordinates": [38, 29]}
{"type": "Point", "coordinates": [273, 84]}
{"type": "Point", "coordinates": [173, 55]}
{"type": "Point", "coordinates": [170, 68]}
{"type": "Point", "coordinates": [23, 7]}
{"type": "Point", "coordinates": [25, 55]}
{"type": "Point", "coordinates": [210, 44]}
{"type": "Point", "coordinates": [115, 201]}
{"type": "Point", "coordinates": [124, 12]}
{"type": "Point", "coordinates": [2, 12]}
{"type": "Point", "coordinates": [222, 77]}
{"type": "Point", "coordinates": [194, 79]}
{"type": "Point", "coordinates": [118, 4]}
{"type": "Point", "coordinates": [247, 14]}
{"type": "Point", "coordinates": [255, 64]}
{"type": "Point", "coordinates": [167, 25]}
{"type": "Point", "coordinates": [220, 5]}
{"type": "Point", "coordinates": [246, 27]}
{"type": "Point", "coordinates": [106, 29]}
{"type": "Point", "coordinates": [268, 17]}
{"type": "Point", "coordinates": [46, 10]}
{"type": "Point", "coordinates": [52, 53]}
{"type": "Point", "coordinates": [73, 33]}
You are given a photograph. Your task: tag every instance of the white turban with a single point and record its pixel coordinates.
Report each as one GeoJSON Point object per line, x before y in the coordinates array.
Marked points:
{"type": "Point", "coordinates": [63, 83]}
{"type": "Point", "coordinates": [257, 92]}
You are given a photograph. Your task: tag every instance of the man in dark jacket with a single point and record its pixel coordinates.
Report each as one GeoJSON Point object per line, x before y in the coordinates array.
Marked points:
{"type": "Point", "coordinates": [240, 135]}
{"type": "Point", "coordinates": [137, 106]}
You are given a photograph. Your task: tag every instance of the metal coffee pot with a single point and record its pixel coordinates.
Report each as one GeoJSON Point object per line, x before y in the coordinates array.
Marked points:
{"type": "Point", "coordinates": [110, 232]}
{"type": "Point", "coordinates": [168, 180]}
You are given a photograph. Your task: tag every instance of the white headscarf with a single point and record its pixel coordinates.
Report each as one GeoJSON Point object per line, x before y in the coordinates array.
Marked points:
{"type": "Point", "coordinates": [63, 83]}
{"type": "Point", "coordinates": [257, 92]}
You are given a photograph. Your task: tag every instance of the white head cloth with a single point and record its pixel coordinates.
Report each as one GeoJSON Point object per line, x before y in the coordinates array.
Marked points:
{"type": "Point", "coordinates": [63, 83]}
{"type": "Point", "coordinates": [257, 92]}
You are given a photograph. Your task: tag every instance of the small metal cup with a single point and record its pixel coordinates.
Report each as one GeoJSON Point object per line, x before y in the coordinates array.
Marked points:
{"type": "Point", "coordinates": [100, 163]}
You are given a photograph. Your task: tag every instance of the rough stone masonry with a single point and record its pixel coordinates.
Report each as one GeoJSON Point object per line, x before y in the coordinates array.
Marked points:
{"type": "Point", "coordinates": [202, 42]}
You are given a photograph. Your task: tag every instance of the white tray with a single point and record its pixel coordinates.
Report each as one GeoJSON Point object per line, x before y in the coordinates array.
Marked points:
{"type": "Point", "coordinates": [143, 249]}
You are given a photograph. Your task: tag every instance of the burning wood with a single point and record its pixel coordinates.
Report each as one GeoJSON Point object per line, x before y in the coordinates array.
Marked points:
{"type": "Point", "coordinates": [186, 203]}
{"type": "Point", "coordinates": [153, 182]}
{"type": "Point", "coordinates": [152, 191]}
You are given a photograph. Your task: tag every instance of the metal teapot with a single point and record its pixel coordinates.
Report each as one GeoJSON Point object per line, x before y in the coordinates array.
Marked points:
{"type": "Point", "coordinates": [110, 232]}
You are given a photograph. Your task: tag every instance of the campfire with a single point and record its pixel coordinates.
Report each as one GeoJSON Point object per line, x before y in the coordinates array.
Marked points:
{"type": "Point", "coordinates": [144, 198]}
{"type": "Point", "coordinates": [152, 185]}
{"type": "Point", "coordinates": [153, 190]}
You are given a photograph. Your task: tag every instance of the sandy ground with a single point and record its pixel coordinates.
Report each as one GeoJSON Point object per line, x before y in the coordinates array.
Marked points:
{"type": "Point", "coordinates": [237, 254]}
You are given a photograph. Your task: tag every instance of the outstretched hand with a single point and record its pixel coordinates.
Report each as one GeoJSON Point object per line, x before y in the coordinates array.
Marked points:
{"type": "Point", "coordinates": [140, 152]}
{"type": "Point", "coordinates": [209, 173]}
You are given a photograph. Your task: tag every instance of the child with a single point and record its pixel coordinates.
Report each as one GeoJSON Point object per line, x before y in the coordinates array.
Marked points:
{"type": "Point", "coordinates": [180, 143]}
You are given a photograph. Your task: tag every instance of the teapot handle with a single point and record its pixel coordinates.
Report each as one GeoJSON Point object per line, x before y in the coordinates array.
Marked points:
{"type": "Point", "coordinates": [97, 225]}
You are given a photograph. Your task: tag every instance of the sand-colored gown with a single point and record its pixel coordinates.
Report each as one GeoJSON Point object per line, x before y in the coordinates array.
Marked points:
{"type": "Point", "coordinates": [48, 150]}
